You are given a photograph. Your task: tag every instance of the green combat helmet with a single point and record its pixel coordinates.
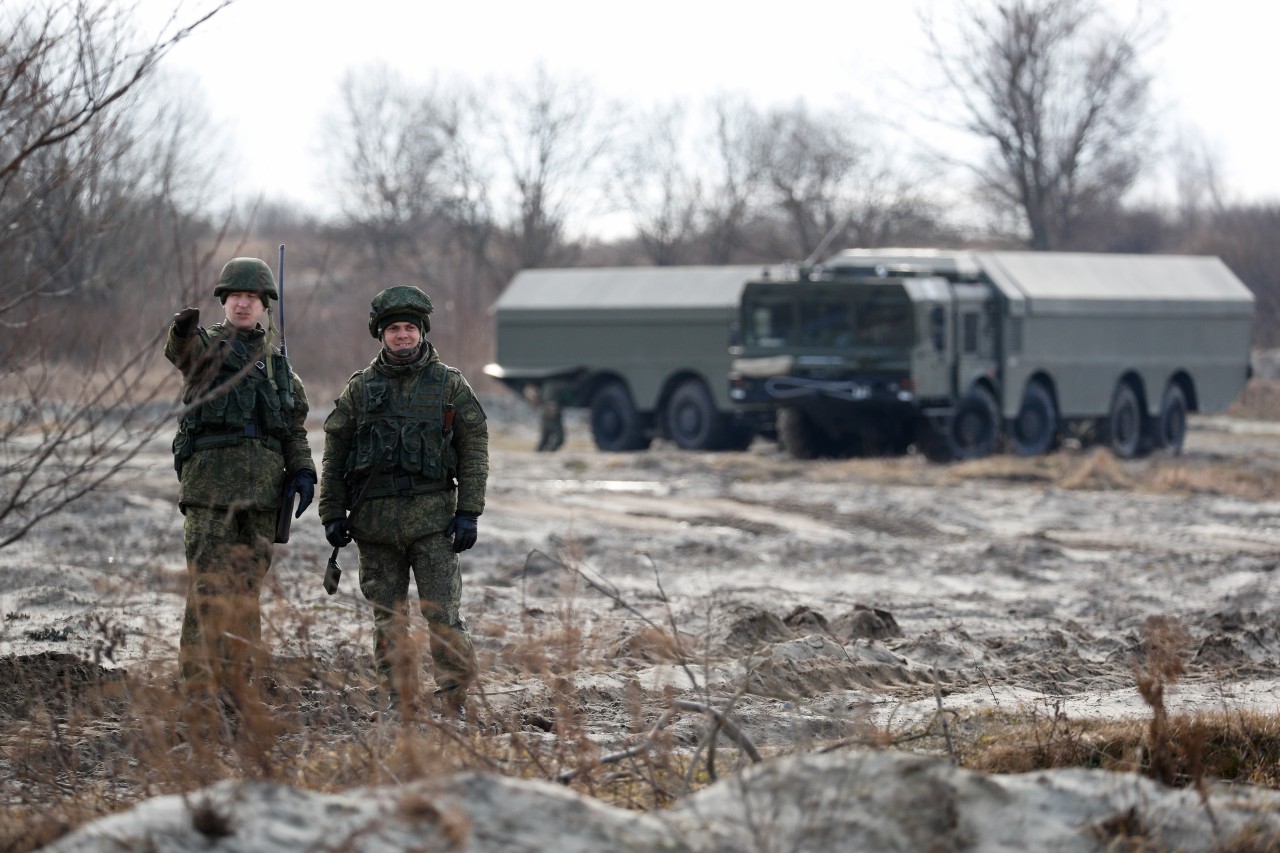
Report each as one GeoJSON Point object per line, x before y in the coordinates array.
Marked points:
{"type": "Point", "coordinates": [246, 275]}
{"type": "Point", "coordinates": [401, 304]}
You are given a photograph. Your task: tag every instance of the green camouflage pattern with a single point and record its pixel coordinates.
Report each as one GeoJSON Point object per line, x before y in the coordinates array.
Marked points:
{"type": "Point", "coordinates": [550, 416]}
{"type": "Point", "coordinates": [248, 475]}
{"type": "Point", "coordinates": [229, 497]}
{"type": "Point", "coordinates": [384, 581]}
{"type": "Point", "coordinates": [378, 520]}
{"type": "Point", "coordinates": [401, 299]}
{"type": "Point", "coordinates": [246, 275]}
{"type": "Point", "coordinates": [228, 556]}
{"type": "Point", "coordinates": [403, 534]}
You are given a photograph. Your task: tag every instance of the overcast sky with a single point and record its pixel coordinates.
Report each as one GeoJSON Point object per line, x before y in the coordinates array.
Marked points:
{"type": "Point", "coordinates": [269, 69]}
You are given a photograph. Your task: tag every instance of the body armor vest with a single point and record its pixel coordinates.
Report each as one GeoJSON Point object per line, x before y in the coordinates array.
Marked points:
{"type": "Point", "coordinates": [256, 407]}
{"type": "Point", "coordinates": [408, 439]}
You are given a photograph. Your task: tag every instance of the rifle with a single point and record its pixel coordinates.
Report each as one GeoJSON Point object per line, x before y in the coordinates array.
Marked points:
{"type": "Point", "coordinates": [332, 571]}
{"type": "Point", "coordinates": [284, 517]}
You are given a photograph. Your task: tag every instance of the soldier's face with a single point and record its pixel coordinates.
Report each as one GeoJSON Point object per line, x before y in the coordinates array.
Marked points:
{"type": "Point", "coordinates": [401, 338]}
{"type": "Point", "coordinates": [244, 309]}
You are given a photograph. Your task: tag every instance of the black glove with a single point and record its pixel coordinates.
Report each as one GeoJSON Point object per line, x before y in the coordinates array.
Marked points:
{"type": "Point", "coordinates": [185, 321]}
{"type": "Point", "coordinates": [463, 529]}
{"type": "Point", "coordinates": [303, 485]}
{"type": "Point", "coordinates": [337, 532]}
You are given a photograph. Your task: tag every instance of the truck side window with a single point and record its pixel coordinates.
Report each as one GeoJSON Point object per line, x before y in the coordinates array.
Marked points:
{"type": "Point", "coordinates": [938, 327]}
{"type": "Point", "coordinates": [770, 324]}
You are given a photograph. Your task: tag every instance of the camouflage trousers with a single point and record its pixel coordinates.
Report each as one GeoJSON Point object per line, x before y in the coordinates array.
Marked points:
{"type": "Point", "coordinates": [228, 555]}
{"type": "Point", "coordinates": [384, 581]}
{"type": "Point", "coordinates": [551, 428]}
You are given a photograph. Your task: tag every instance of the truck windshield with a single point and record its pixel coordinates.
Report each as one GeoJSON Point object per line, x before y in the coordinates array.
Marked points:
{"type": "Point", "coordinates": [827, 321]}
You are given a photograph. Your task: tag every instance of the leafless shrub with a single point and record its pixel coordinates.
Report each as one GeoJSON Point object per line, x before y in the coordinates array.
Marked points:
{"type": "Point", "coordinates": [1164, 639]}
{"type": "Point", "coordinates": [80, 178]}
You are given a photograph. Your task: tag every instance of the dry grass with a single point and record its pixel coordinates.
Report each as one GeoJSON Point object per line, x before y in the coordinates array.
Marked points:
{"type": "Point", "coordinates": [1241, 746]}
{"type": "Point", "coordinates": [79, 741]}
{"type": "Point", "coordinates": [86, 743]}
{"type": "Point", "coordinates": [1260, 400]}
{"type": "Point", "coordinates": [1183, 750]}
{"type": "Point", "coordinates": [1093, 469]}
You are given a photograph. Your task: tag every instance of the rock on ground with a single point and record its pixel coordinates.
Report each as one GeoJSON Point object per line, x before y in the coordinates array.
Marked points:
{"type": "Point", "coordinates": [882, 801]}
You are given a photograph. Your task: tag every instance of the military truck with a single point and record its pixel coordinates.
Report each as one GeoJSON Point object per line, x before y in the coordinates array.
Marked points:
{"type": "Point", "coordinates": [645, 348]}
{"type": "Point", "coordinates": [960, 353]}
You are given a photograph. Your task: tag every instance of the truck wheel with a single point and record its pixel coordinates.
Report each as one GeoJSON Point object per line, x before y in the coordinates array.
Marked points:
{"type": "Point", "coordinates": [1171, 429]}
{"type": "Point", "coordinates": [615, 423]}
{"type": "Point", "coordinates": [798, 435]}
{"type": "Point", "coordinates": [1035, 429]}
{"type": "Point", "coordinates": [692, 420]}
{"type": "Point", "coordinates": [1124, 423]}
{"type": "Point", "coordinates": [974, 427]}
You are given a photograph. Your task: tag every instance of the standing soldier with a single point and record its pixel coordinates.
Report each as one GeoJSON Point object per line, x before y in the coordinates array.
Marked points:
{"type": "Point", "coordinates": [549, 400]}
{"type": "Point", "coordinates": [409, 437]}
{"type": "Point", "coordinates": [242, 439]}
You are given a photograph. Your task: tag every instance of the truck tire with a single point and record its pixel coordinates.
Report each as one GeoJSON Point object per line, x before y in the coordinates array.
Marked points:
{"type": "Point", "coordinates": [974, 428]}
{"type": "Point", "coordinates": [1034, 431]}
{"type": "Point", "coordinates": [692, 420]}
{"type": "Point", "coordinates": [615, 423]}
{"type": "Point", "coordinates": [798, 435]}
{"type": "Point", "coordinates": [1171, 429]}
{"type": "Point", "coordinates": [1125, 423]}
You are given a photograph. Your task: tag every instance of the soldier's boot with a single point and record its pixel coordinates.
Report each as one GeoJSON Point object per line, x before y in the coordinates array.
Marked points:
{"type": "Point", "coordinates": [397, 699]}
{"type": "Point", "coordinates": [397, 667]}
{"type": "Point", "coordinates": [452, 704]}
{"type": "Point", "coordinates": [454, 659]}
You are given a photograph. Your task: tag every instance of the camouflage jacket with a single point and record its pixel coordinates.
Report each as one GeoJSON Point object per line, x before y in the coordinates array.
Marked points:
{"type": "Point", "coordinates": [248, 473]}
{"type": "Point", "coordinates": [414, 512]}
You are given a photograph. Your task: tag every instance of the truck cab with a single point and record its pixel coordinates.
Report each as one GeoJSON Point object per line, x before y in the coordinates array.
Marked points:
{"type": "Point", "coordinates": [864, 355]}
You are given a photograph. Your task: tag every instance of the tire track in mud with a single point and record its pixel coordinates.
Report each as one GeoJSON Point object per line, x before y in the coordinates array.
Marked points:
{"type": "Point", "coordinates": [1191, 539]}
{"type": "Point", "coordinates": [673, 513]}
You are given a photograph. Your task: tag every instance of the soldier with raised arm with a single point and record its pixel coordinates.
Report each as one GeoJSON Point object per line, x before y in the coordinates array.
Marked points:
{"type": "Point", "coordinates": [240, 452]}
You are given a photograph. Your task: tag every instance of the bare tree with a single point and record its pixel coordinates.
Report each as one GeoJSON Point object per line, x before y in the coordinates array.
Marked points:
{"type": "Point", "coordinates": [810, 163]}
{"type": "Point", "coordinates": [1244, 236]}
{"type": "Point", "coordinates": [657, 187]}
{"type": "Point", "coordinates": [554, 136]}
{"type": "Point", "coordinates": [1055, 92]}
{"type": "Point", "coordinates": [86, 174]}
{"type": "Point", "coordinates": [408, 176]}
{"type": "Point", "coordinates": [735, 177]}
{"type": "Point", "coordinates": [834, 184]}
{"type": "Point", "coordinates": [1196, 179]}
{"type": "Point", "coordinates": [390, 160]}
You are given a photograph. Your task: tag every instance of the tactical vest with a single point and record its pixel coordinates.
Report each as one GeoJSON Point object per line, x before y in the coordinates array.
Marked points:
{"type": "Point", "coordinates": [412, 435]}
{"type": "Point", "coordinates": [255, 407]}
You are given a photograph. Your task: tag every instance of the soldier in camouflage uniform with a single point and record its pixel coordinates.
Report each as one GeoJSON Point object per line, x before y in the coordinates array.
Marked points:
{"type": "Point", "coordinates": [549, 399]}
{"type": "Point", "coordinates": [240, 452]}
{"type": "Point", "coordinates": [409, 435]}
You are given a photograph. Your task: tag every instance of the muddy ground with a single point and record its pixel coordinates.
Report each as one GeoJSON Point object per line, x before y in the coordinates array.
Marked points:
{"type": "Point", "coordinates": [830, 597]}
